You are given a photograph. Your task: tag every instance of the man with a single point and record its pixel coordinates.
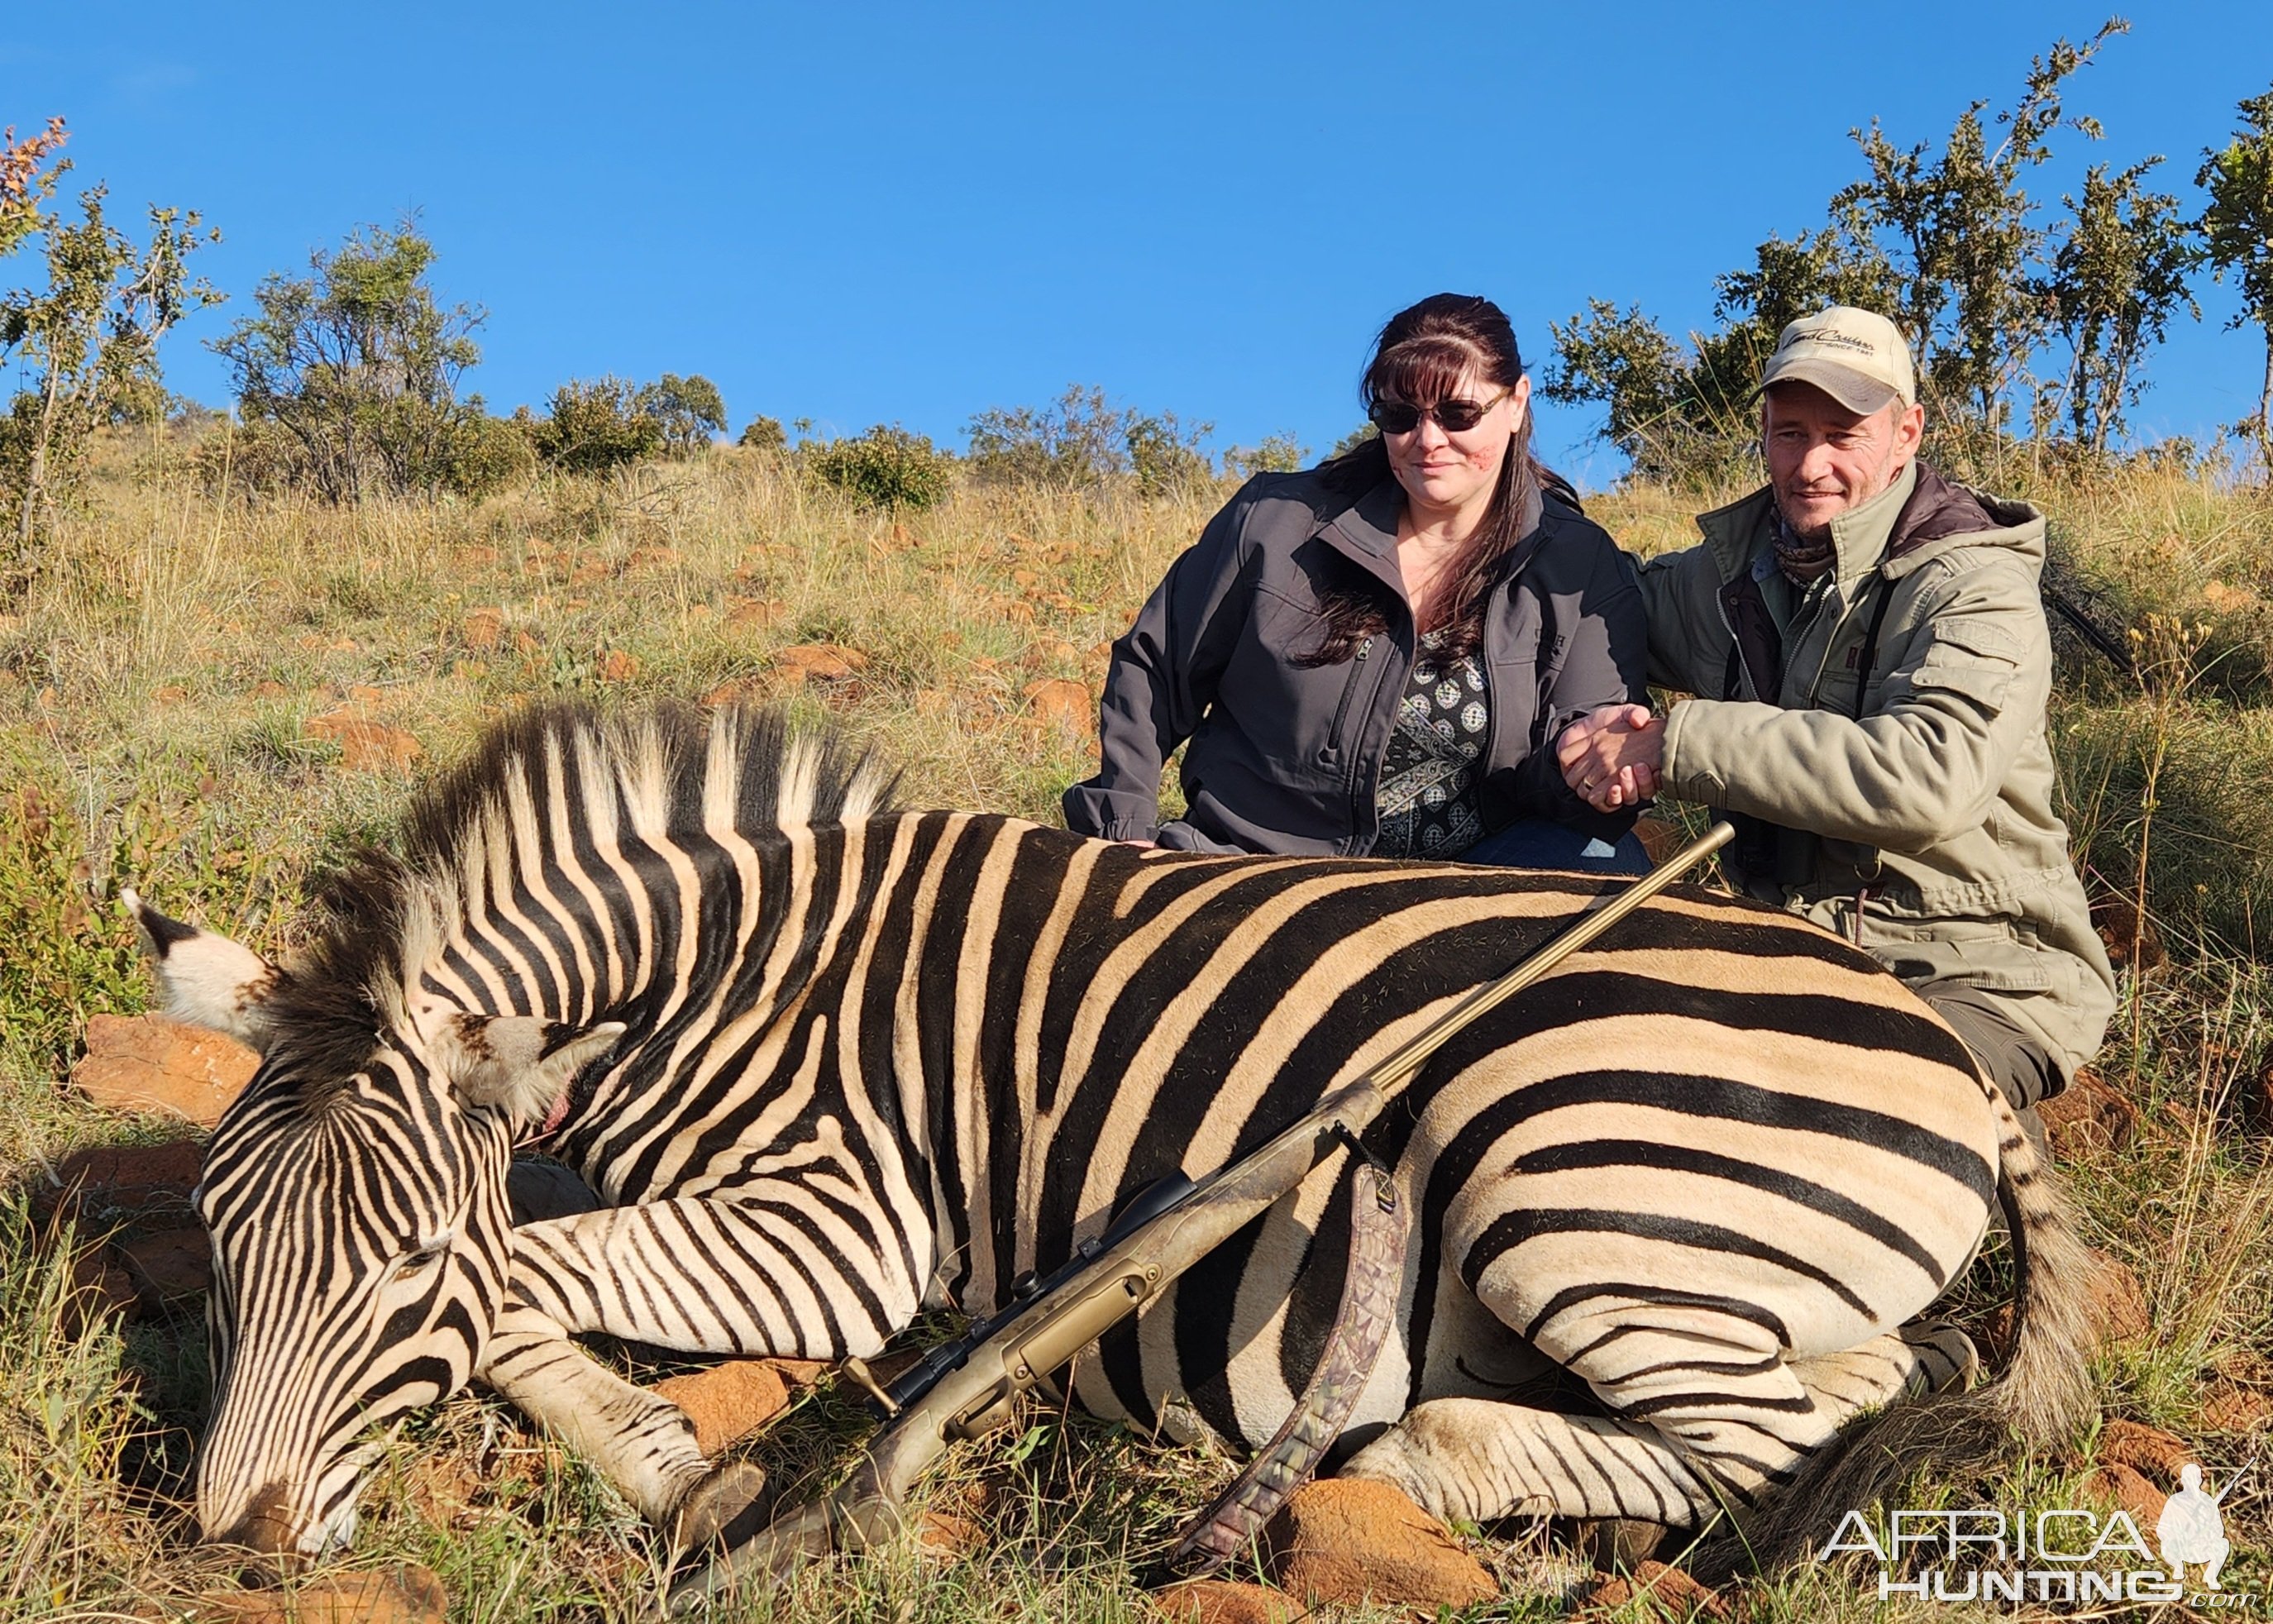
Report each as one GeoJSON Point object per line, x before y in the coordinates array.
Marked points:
{"type": "Point", "coordinates": [1871, 664]}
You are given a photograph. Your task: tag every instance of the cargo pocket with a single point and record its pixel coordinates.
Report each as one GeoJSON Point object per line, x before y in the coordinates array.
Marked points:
{"type": "Point", "coordinates": [1996, 960]}
{"type": "Point", "coordinates": [1976, 661]}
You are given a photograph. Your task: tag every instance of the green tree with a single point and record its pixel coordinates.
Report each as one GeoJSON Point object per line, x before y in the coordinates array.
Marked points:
{"type": "Point", "coordinates": [357, 366]}
{"type": "Point", "coordinates": [1277, 454]}
{"type": "Point", "coordinates": [1959, 234]}
{"type": "Point", "coordinates": [1948, 244]}
{"type": "Point", "coordinates": [887, 467]}
{"type": "Point", "coordinates": [764, 434]}
{"type": "Point", "coordinates": [2121, 273]}
{"type": "Point", "coordinates": [1164, 454]}
{"type": "Point", "coordinates": [1082, 439]}
{"type": "Point", "coordinates": [688, 410]}
{"type": "Point", "coordinates": [2237, 231]}
{"type": "Point", "coordinates": [1078, 440]}
{"type": "Point", "coordinates": [1677, 419]}
{"type": "Point", "coordinates": [88, 340]}
{"type": "Point", "coordinates": [595, 425]}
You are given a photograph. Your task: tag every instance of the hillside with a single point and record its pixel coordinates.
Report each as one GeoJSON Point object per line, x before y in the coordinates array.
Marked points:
{"type": "Point", "coordinates": [212, 701]}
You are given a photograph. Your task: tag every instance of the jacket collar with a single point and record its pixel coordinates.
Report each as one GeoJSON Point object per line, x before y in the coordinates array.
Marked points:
{"type": "Point", "coordinates": [1917, 517]}
{"type": "Point", "coordinates": [1366, 531]}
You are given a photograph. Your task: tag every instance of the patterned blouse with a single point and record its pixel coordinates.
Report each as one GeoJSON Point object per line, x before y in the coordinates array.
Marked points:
{"type": "Point", "coordinates": [1427, 798]}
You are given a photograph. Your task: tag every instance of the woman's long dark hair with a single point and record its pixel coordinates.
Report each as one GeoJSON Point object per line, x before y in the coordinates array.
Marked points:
{"type": "Point", "coordinates": [1420, 356]}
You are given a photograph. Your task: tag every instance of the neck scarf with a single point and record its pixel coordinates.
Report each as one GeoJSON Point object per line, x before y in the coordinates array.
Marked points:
{"type": "Point", "coordinates": [1803, 562]}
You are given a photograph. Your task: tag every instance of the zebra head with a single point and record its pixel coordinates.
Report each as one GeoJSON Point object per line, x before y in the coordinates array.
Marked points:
{"type": "Point", "coordinates": [356, 1196]}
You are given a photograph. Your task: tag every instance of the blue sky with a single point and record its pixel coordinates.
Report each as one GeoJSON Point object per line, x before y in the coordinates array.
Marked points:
{"type": "Point", "coordinates": [863, 212]}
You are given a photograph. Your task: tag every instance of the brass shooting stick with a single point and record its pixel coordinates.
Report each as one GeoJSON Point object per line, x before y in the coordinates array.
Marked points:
{"type": "Point", "coordinates": [976, 1395]}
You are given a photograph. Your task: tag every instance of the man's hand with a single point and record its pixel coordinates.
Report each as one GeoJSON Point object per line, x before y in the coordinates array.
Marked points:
{"type": "Point", "coordinates": [1610, 757]}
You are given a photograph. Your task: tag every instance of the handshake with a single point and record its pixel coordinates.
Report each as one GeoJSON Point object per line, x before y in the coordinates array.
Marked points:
{"type": "Point", "coordinates": [1610, 757]}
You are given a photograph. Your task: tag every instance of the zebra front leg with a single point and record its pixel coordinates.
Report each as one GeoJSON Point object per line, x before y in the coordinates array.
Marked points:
{"type": "Point", "coordinates": [722, 1276]}
{"type": "Point", "coordinates": [639, 1440]}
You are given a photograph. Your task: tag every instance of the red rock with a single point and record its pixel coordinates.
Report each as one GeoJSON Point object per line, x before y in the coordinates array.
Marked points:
{"type": "Point", "coordinates": [945, 1536]}
{"type": "Point", "coordinates": [404, 1593]}
{"type": "Point", "coordinates": [147, 1063]}
{"type": "Point", "coordinates": [269, 687]}
{"type": "Point", "coordinates": [2144, 1448]}
{"type": "Point", "coordinates": [104, 1184]}
{"type": "Point", "coordinates": [1220, 1601]}
{"type": "Point", "coordinates": [365, 746]}
{"type": "Point", "coordinates": [800, 1372]}
{"type": "Point", "coordinates": [2230, 1407]}
{"type": "Point", "coordinates": [2120, 1300]}
{"type": "Point", "coordinates": [752, 610]}
{"type": "Point", "coordinates": [168, 1265]}
{"type": "Point", "coordinates": [1064, 702]}
{"type": "Point", "coordinates": [100, 1290]}
{"type": "Point", "coordinates": [1665, 1591]}
{"type": "Point", "coordinates": [2126, 1489]}
{"type": "Point", "coordinates": [728, 1402]}
{"type": "Point", "coordinates": [483, 629]}
{"type": "Point", "coordinates": [440, 1489]}
{"type": "Point", "coordinates": [616, 666]}
{"type": "Point", "coordinates": [736, 691]}
{"type": "Point", "coordinates": [817, 662]}
{"type": "Point", "coordinates": [2122, 928]}
{"type": "Point", "coordinates": [1346, 1541]}
{"type": "Point", "coordinates": [2088, 1118]}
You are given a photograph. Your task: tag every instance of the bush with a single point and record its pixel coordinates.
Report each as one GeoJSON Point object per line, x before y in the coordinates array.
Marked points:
{"type": "Point", "coordinates": [2210, 842]}
{"type": "Point", "coordinates": [764, 434]}
{"type": "Point", "coordinates": [487, 453]}
{"type": "Point", "coordinates": [1166, 456]}
{"type": "Point", "coordinates": [1084, 440]}
{"type": "Point", "coordinates": [887, 467]}
{"type": "Point", "coordinates": [598, 424]}
{"type": "Point", "coordinates": [1278, 453]}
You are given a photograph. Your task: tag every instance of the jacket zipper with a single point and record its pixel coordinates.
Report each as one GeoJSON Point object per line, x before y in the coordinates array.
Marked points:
{"type": "Point", "coordinates": [1729, 626]}
{"type": "Point", "coordinates": [1350, 692]}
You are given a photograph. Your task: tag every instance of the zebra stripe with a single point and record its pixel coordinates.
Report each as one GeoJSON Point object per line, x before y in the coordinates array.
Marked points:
{"type": "Point", "coordinates": [870, 1060]}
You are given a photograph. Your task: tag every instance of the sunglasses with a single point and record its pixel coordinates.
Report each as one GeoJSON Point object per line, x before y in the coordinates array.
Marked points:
{"type": "Point", "coordinates": [1454, 417]}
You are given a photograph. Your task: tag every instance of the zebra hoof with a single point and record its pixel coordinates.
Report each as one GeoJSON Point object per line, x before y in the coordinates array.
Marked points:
{"type": "Point", "coordinates": [1616, 1545]}
{"type": "Point", "coordinates": [728, 1505]}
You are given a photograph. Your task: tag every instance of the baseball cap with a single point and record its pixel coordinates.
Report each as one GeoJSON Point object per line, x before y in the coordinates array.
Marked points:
{"type": "Point", "coordinates": [1856, 357]}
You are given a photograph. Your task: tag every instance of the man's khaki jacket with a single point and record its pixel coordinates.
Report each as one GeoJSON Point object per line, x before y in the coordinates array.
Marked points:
{"type": "Point", "coordinates": [1937, 847]}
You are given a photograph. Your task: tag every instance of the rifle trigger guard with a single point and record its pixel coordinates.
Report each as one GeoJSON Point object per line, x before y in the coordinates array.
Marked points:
{"type": "Point", "coordinates": [1384, 1191]}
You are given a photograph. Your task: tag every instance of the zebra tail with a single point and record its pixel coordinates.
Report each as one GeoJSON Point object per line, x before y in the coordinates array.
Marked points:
{"type": "Point", "coordinates": [2042, 1400]}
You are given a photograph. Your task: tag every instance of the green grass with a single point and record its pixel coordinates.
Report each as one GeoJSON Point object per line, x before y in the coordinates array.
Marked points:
{"type": "Point", "coordinates": [155, 694]}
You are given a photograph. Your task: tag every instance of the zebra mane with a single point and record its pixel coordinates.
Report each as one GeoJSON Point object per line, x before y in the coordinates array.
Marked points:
{"type": "Point", "coordinates": [665, 770]}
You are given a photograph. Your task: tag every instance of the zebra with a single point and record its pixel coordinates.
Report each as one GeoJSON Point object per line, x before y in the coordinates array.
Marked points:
{"type": "Point", "coordinates": [828, 1064]}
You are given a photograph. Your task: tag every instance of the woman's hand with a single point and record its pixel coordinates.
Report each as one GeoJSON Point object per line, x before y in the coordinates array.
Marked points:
{"type": "Point", "coordinates": [1611, 757]}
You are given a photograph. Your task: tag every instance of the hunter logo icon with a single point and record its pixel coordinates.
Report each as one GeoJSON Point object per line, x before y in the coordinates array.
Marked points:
{"type": "Point", "coordinates": [2192, 1528]}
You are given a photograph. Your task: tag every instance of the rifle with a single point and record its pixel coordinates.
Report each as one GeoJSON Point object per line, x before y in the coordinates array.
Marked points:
{"type": "Point", "coordinates": [969, 1387]}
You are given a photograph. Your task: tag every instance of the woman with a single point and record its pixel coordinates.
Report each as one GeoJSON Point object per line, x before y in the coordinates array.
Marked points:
{"type": "Point", "coordinates": [1377, 656]}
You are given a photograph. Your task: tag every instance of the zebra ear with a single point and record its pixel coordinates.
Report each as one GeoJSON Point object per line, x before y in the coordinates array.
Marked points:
{"type": "Point", "coordinates": [206, 979]}
{"type": "Point", "coordinates": [519, 1064]}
